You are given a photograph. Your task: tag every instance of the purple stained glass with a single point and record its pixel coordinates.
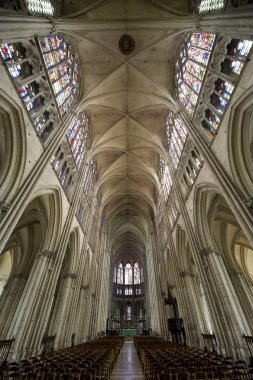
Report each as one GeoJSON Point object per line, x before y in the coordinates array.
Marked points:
{"type": "Point", "coordinates": [198, 55]}
{"type": "Point", "coordinates": [203, 40]}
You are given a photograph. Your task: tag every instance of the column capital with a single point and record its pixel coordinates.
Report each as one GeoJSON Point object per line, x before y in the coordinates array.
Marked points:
{"type": "Point", "coordinates": [249, 203]}
{"type": "Point", "coordinates": [234, 272]}
{"type": "Point", "coordinates": [23, 276]}
{"type": "Point", "coordinates": [84, 287]}
{"type": "Point", "coordinates": [73, 276]}
{"type": "Point", "coordinates": [4, 207]}
{"type": "Point", "coordinates": [186, 274]}
{"type": "Point", "coordinates": [209, 251]}
{"type": "Point", "coordinates": [47, 254]}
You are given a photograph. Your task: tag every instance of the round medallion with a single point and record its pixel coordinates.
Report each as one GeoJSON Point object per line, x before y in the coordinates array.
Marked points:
{"type": "Point", "coordinates": [126, 44]}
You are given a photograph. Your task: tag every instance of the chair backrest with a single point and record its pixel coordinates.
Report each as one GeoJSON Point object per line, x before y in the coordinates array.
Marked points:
{"type": "Point", "coordinates": [5, 346]}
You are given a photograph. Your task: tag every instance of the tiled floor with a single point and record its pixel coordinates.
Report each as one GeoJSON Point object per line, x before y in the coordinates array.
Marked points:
{"type": "Point", "coordinates": [128, 366]}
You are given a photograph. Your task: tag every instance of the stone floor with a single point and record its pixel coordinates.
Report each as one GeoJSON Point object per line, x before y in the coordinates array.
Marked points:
{"type": "Point", "coordinates": [128, 366]}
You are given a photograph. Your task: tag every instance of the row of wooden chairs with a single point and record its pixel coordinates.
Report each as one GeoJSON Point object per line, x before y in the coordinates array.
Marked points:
{"type": "Point", "coordinates": [164, 360]}
{"type": "Point", "coordinates": [89, 361]}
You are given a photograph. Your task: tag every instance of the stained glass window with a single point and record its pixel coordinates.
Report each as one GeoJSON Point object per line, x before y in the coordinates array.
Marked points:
{"type": "Point", "coordinates": [191, 68]}
{"type": "Point", "coordinates": [13, 55]}
{"type": "Point", "coordinates": [78, 137]}
{"type": "Point", "coordinates": [40, 7]}
{"type": "Point", "coordinates": [137, 279]}
{"type": "Point", "coordinates": [176, 135]}
{"type": "Point", "coordinates": [239, 48]}
{"type": "Point", "coordinates": [210, 5]}
{"type": "Point", "coordinates": [165, 178]}
{"type": "Point", "coordinates": [128, 274]}
{"type": "Point", "coordinates": [90, 177]}
{"type": "Point", "coordinates": [115, 274]}
{"type": "Point", "coordinates": [61, 64]}
{"type": "Point", "coordinates": [142, 274]}
{"type": "Point", "coordinates": [128, 312]}
{"type": "Point", "coordinates": [120, 273]}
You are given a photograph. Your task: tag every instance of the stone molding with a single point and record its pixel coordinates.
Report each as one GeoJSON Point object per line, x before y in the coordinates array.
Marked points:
{"type": "Point", "coordinates": [84, 287]}
{"type": "Point", "coordinates": [73, 276]}
{"type": "Point", "coordinates": [47, 254]}
{"type": "Point", "coordinates": [186, 274]}
{"type": "Point", "coordinates": [22, 276]}
{"type": "Point", "coordinates": [249, 203]}
{"type": "Point", "coordinates": [4, 207]}
{"type": "Point", "coordinates": [209, 251]}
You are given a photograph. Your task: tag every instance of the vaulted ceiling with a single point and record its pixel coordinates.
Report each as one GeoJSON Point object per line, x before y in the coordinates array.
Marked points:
{"type": "Point", "coordinates": [127, 97]}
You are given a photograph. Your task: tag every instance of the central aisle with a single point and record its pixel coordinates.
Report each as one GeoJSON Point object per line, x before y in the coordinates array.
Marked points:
{"type": "Point", "coordinates": [128, 366]}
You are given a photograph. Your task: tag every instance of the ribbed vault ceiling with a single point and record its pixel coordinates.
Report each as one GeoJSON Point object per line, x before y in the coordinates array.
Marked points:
{"type": "Point", "coordinates": [127, 97]}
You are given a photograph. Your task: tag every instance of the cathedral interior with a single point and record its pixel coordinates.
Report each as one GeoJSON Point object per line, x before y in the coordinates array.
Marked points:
{"type": "Point", "coordinates": [126, 181]}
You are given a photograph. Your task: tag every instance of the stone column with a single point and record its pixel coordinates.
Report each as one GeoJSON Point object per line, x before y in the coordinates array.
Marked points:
{"type": "Point", "coordinates": [9, 301]}
{"type": "Point", "coordinates": [64, 309]}
{"type": "Point", "coordinates": [226, 312]}
{"type": "Point", "coordinates": [191, 309]}
{"type": "Point", "coordinates": [26, 325]}
{"type": "Point", "coordinates": [244, 292]}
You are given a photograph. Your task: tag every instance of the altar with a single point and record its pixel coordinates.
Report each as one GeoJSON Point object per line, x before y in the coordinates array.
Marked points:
{"type": "Point", "coordinates": [128, 332]}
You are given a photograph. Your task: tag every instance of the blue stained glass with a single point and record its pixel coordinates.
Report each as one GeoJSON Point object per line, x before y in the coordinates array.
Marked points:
{"type": "Point", "coordinates": [7, 51]}
{"type": "Point", "coordinates": [195, 69]}
{"type": "Point", "coordinates": [23, 91]}
{"type": "Point", "coordinates": [198, 55]}
{"type": "Point", "coordinates": [244, 47]}
{"type": "Point", "coordinates": [62, 70]}
{"type": "Point", "coordinates": [14, 69]}
{"type": "Point", "coordinates": [203, 40]}
{"type": "Point", "coordinates": [50, 43]}
{"type": "Point", "coordinates": [193, 82]}
{"type": "Point", "coordinates": [237, 67]}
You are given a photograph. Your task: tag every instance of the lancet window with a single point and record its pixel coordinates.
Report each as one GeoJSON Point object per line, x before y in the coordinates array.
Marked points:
{"type": "Point", "coordinates": [137, 274]}
{"type": "Point", "coordinates": [63, 169]}
{"type": "Point", "coordinates": [203, 92]}
{"type": "Point", "coordinates": [222, 84]}
{"type": "Point", "coordinates": [78, 137]}
{"type": "Point", "coordinates": [23, 64]}
{"type": "Point", "coordinates": [90, 178]}
{"type": "Point", "coordinates": [61, 64]}
{"type": "Point", "coordinates": [176, 135]}
{"type": "Point", "coordinates": [120, 274]}
{"type": "Point", "coordinates": [128, 312]}
{"type": "Point", "coordinates": [128, 274]}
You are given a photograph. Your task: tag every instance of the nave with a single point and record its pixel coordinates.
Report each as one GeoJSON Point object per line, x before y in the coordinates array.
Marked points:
{"type": "Point", "coordinates": [128, 364]}
{"type": "Point", "coordinates": [126, 203]}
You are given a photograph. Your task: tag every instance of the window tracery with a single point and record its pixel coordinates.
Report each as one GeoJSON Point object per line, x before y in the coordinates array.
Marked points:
{"type": "Point", "coordinates": [40, 7]}
{"type": "Point", "coordinates": [165, 178]}
{"type": "Point", "coordinates": [203, 91]}
{"type": "Point", "coordinates": [78, 137]}
{"type": "Point", "coordinates": [62, 67]}
{"type": "Point", "coordinates": [191, 68]}
{"type": "Point", "coordinates": [210, 5]}
{"type": "Point", "coordinates": [90, 178]}
{"type": "Point", "coordinates": [176, 135]}
{"type": "Point", "coordinates": [128, 274]}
